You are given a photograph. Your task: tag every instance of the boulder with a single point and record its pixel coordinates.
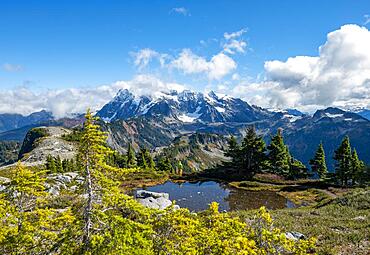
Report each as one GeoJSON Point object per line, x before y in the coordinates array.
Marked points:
{"type": "Point", "coordinates": [154, 200]}
{"type": "Point", "coordinates": [295, 236]}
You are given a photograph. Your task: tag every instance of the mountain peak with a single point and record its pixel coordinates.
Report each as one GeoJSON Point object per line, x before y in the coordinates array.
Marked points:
{"type": "Point", "coordinates": [123, 94]}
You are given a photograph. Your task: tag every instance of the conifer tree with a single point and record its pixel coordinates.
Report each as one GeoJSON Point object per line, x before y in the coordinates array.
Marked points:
{"type": "Point", "coordinates": [29, 227]}
{"type": "Point", "coordinates": [50, 164]}
{"type": "Point", "coordinates": [58, 164]}
{"type": "Point", "coordinates": [343, 156]}
{"type": "Point", "coordinates": [141, 159]}
{"type": "Point", "coordinates": [318, 163]}
{"type": "Point", "coordinates": [233, 151]}
{"type": "Point", "coordinates": [131, 159]}
{"type": "Point", "coordinates": [149, 160]}
{"type": "Point", "coordinates": [164, 164]}
{"type": "Point", "coordinates": [252, 153]}
{"type": "Point", "coordinates": [357, 167]}
{"type": "Point", "coordinates": [92, 154]}
{"type": "Point", "coordinates": [297, 169]}
{"type": "Point", "coordinates": [278, 155]}
{"type": "Point", "coordinates": [180, 168]}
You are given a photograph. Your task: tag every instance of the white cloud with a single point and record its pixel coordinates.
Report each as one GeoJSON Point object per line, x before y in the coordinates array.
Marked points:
{"type": "Point", "coordinates": [216, 68]}
{"type": "Point", "coordinates": [68, 101]}
{"type": "Point", "coordinates": [12, 68]}
{"type": "Point", "coordinates": [234, 43]}
{"type": "Point", "coordinates": [180, 10]}
{"type": "Point", "coordinates": [144, 56]}
{"type": "Point", "coordinates": [236, 34]}
{"type": "Point", "coordinates": [339, 75]}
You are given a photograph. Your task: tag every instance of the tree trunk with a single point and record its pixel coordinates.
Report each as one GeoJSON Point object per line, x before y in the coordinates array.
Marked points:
{"type": "Point", "coordinates": [88, 208]}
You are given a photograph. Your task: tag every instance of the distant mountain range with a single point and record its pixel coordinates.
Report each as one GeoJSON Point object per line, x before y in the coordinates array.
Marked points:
{"type": "Point", "coordinates": [155, 121]}
{"type": "Point", "coordinates": [10, 121]}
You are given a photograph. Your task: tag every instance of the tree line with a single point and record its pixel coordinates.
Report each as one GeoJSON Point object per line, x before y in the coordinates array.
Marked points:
{"type": "Point", "coordinates": [252, 156]}
{"type": "Point", "coordinates": [143, 159]}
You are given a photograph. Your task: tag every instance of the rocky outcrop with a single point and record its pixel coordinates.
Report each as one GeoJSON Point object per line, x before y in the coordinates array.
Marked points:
{"type": "Point", "coordinates": [154, 200]}
{"type": "Point", "coordinates": [44, 141]}
{"type": "Point", "coordinates": [55, 183]}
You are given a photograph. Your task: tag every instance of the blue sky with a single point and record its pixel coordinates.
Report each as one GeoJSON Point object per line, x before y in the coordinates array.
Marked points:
{"type": "Point", "coordinates": [77, 44]}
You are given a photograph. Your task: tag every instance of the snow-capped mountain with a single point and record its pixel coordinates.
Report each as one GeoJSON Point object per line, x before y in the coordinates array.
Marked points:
{"type": "Point", "coordinates": [186, 106]}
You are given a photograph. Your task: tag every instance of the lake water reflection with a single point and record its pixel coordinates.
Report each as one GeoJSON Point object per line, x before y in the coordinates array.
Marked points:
{"type": "Point", "coordinates": [198, 195]}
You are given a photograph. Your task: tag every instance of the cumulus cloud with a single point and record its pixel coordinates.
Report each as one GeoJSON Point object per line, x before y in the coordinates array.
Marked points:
{"type": "Point", "coordinates": [180, 10]}
{"type": "Point", "coordinates": [12, 68]}
{"type": "Point", "coordinates": [339, 75]}
{"type": "Point", "coordinates": [216, 68]}
{"type": "Point", "coordinates": [65, 102]}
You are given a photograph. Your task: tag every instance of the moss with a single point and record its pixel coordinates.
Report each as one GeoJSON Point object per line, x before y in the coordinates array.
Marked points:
{"type": "Point", "coordinates": [255, 186]}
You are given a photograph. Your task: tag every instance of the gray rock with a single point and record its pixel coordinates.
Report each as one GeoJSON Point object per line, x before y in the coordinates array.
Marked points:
{"type": "Point", "coordinates": [145, 194]}
{"type": "Point", "coordinates": [154, 200]}
{"type": "Point", "coordinates": [295, 236]}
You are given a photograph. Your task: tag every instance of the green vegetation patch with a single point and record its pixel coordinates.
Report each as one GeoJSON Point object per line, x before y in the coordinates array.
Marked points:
{"type": "Point", "coordinates": [30, 140]}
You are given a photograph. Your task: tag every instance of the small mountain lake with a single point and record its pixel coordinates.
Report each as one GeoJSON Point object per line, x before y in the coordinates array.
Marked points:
{"type": "Point", "coordinates": [196, 196]}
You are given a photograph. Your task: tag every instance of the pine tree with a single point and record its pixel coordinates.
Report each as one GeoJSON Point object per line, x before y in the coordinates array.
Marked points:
{"type": "Point", "coordinates": [180, 168]}
{"type": "Point", "coordinates": [252, 153]}
{"type": "Point", "coordinates": [149, 160]}
{"type": "Point", "coordinates": [50, 164]}
{"type": "Point", "coordinates": [278, 156]}
{"type": "Point", "coordinates": [58, 164]}
{"type": "Point", "coordinates": [343, 156]}
{"type": "Point", "coordinates": [131, 159]}
{"type": "Point", "coordinates": [93, 153]}
{"type": "Point", "coordinates": [297, 169]}
{"type": "Point", "coordinates": [318, 163]}
{"type": "Point", "coordinates": [233, 151]}
{"type": "Point", "coordinates": [164, 164]}
{"type": "Point", "coordinates": [357, 167]}
{"type": "Point", "coordinates": [27, 226]}
{"type": "Point", "coordinates": [141, 159]}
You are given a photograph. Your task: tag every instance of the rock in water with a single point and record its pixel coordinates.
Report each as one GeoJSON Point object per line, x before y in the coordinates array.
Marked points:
{"type": "Point", "coordinates": [154, 200]}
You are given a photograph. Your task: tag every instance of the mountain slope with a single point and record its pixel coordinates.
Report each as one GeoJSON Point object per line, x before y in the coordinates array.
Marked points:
{"type": "Point", "coordinates": [328, 126]}
{"type": "Point", "coordinates": [15, 121]}
{"type": "Point", "coordinates": [197, 151]}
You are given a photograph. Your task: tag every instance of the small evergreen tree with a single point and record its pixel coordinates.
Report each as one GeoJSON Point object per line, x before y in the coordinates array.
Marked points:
{"type": "Point", "coordinates": [58, 164]}
{"type": "Point", "coordinates": [233, 151]}
{"type": "Point", "coordinates": [141, 159]}
{"type": "Point", "coordinates": [180, 168]}
{"type": "Point", "coordinates": [164, 164]}
{"type": "Point", "coordinates": [50, 164]}
{"type": "Point", "coordinates": [278, 155]}
{"type": "Point", "coordinates": [297, 169]}
{"type": "Point", "coordinates": [343, 156]}
{"type": "Point", "coordinates": [252, 153]}
{"type": "Point", "coordinates": [357, 167]}
{"type": "Point", "coordinates": [318, 163]}
{"type": "Point", "coordinates": [131, 159]}
{"type": "Point", "coordinates": [27, 226]}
